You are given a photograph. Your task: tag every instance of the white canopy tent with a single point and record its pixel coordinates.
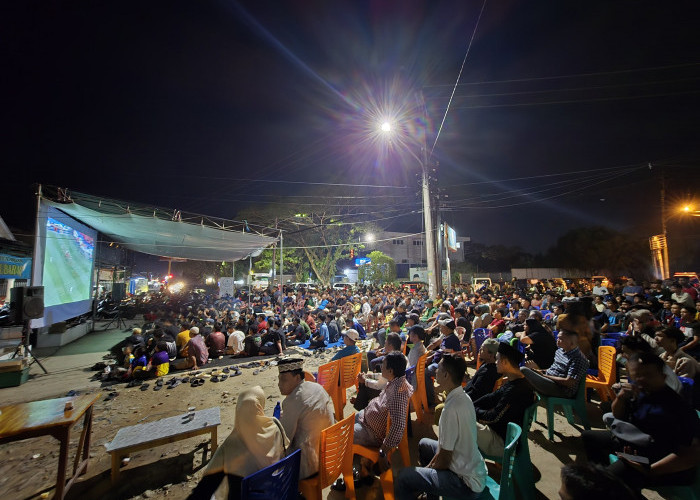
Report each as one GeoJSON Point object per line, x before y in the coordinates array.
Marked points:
{"type": "Point", "coordinates": [168, 238]}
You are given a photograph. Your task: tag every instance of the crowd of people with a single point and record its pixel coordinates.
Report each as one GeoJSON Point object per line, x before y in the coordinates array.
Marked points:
{"type": "Point", "coordinates": [527, 342]}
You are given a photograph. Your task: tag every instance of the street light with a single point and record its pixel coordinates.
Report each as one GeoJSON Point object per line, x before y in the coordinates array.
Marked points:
{"type": "Point", "coordinates": [431, 251]}
{"type": "Point", "coordinates": [369, 237]}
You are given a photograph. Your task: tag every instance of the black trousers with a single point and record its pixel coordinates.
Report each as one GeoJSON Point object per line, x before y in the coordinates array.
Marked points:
{"type": "Point", "coordinates": [600, 444]}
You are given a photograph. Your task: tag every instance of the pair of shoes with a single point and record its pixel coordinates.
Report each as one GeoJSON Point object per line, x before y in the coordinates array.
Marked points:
{"type": "Point", "coordinates": [144, 387]}
{"type": "Point", "coordinates": [215, 378]}
{"type": "Point", "coordinates": [197, 382]}
{"type": "Point", "coordinates": [173, 383]}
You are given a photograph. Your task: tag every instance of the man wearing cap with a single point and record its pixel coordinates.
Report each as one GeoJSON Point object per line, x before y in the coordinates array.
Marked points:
{"type": "Point", "coordinates": [450, 343]}
{"type": "Point", "coordinates": [507, 404]}
{"type": "Point", "coordinates": [430, 311]}
{"type": "Point", "coordinates": [350, 337]}
{"type": "Point", "coordinates": [307, 409]}
{"type": "Point", "coordinates": [485, 377]}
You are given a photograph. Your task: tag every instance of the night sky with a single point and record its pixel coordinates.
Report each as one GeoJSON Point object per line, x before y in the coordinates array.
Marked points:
{"type": "Point", "coordinates": [197, 105]}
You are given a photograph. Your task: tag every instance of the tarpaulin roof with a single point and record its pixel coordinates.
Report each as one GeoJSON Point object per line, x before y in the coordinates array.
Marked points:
{"type": "Point", "coordinates": [167, 238]}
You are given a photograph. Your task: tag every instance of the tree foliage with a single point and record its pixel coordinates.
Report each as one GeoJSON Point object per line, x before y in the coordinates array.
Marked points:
{"type": "Point", "coordinates": [316, 239]}
{"type": "Point", "coordinates": [381, 269]}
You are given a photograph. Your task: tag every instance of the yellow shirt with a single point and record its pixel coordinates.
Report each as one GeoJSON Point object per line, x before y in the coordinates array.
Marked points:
{"type": "Point", "coordinates": [181, 340]}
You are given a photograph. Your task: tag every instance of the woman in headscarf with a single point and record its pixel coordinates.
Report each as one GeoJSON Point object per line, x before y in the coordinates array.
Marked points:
{"type": "Point", "coordinates": [256, 442]}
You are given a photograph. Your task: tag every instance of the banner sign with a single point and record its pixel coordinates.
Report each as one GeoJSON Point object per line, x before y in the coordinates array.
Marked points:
{"type": "Point", "coordinates": [360, 261]}
{"type": "Point", "coordinates": [227, 286]}
{"type": "Point", "coordinates": [451, 238]}
{"type": "Point", "coordinates": [19, 268]}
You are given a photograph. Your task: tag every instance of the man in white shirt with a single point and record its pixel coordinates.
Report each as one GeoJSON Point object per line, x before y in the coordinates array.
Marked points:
{"type": "Point", "coordinates": [234, 344]}
{"type": "Point", "coordinates": [599, 290]}
{"type": "Point", "coordinates": [454, 467]}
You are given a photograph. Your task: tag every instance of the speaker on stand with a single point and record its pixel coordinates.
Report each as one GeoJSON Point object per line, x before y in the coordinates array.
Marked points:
{"type": "Point", "coordinates": [26, 304]}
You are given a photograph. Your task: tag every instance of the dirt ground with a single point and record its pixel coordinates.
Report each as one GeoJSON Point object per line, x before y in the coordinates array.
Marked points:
{"type": "Point", "coordinates": [28, 468]}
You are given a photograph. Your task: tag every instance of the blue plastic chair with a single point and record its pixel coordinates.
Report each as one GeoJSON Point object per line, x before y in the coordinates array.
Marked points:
{"type": "Point", "coordinates": [687, 391]}
{"type": "Point", "coordinates": [505, 488]}
{"type": "Point", "coordinates": [279, 481]}
{"type": "Point", "coordinates": [524, 478]}
{"type": "Point", "coordinates": [577, 404]}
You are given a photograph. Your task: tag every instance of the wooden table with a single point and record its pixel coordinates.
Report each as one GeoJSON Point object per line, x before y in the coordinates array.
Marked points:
{"type": "Point", "coordinates": [50, 418]}
{"type": "Point", "coordinates": [168, 430]}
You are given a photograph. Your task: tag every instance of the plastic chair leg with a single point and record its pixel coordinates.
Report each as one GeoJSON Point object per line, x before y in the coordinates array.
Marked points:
{"type": "Point", "coordinates": [387, 482]}
{"type": "Point", "coordinates": [550, 421]}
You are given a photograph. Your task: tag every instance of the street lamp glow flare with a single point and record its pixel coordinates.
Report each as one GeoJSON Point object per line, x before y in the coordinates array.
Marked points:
{"type": "Point", "coordinates": [386, 127]}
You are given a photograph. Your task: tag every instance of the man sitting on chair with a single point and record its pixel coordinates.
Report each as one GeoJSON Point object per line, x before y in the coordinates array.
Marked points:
{"type": "Point", "coordinates": [392, 402]}
{"type": "Point", "coordinates": [453, 465]}
{"type": "Point", "coordinates": [568, 370]}
{"type": "Point", "coordinates": [487, 374]}
{"type": "Point", "coordinates": [507, 404]}
{"type": "Point", "coordinates": [307, 409]}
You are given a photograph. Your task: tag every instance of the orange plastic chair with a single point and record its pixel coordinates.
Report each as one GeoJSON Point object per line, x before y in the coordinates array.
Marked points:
{"type": "Point", "coordinates": [606, 373]}
{"type": "Point", "coordinates": [335, 458]}
{"type": "Point", "coordinates": [386, 479]}
{"type": "Point", "coordinates": [349, 368]}
{"type": "Point", "coordinates": [498, 384]}
{"type": "Point", "coordinates": [309, 377]}
{"type": "Point", "coordinates": [419, 398]}
{"type": "Point", "coordinates": [328, 375]}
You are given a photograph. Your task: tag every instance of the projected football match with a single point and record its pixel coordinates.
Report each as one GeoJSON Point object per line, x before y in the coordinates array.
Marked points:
{"type": "Point", "coordinates": [68, 262]}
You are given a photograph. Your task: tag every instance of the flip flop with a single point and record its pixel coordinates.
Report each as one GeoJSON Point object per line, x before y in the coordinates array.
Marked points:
{"type": "Point", "coordinates": [144, 387]}
{"type": "Point", "coordinates": [215, 378]}
{"type": "Point", "coordinates": [201, 381]}
{"type": "Point", "coordinates": [174, 384]}
{"type": "Point", "coordinates": [185, 380]}
{"type": "Point", "coordinates": [159, 382]}
{"type": "Point", "coordinates": [195, 383]}
{"type": "Point", "coordinates": [158, 387]}
{"type": "Point", "coordinates": [226, 370]}
{"type": "Point", "coordinates": [222, 377]}
{"type": "Point", "coordinates": [111, 396]}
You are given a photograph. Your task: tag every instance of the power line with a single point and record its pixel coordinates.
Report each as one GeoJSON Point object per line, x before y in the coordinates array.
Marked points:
{"type": "Point", "coordinates": [572, 101]}
{"type": "Point", "coordinates": [459, 75]}
{"type": "Point", "coordinates": [574, 75]}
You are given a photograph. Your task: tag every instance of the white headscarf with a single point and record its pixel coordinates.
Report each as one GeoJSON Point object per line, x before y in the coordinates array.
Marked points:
{"type": "Point", "coordinates": [255, 442]}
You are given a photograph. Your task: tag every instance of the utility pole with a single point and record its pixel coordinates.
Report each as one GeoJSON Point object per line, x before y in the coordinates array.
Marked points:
{"type": "Point", "coordinates": [665, 272]}
{"type": "Point", "coordinates": [434, 274]}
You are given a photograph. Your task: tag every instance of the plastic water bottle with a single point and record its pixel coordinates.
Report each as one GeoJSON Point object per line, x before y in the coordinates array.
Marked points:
{"type": "Point", "coordinates": [278, 411]}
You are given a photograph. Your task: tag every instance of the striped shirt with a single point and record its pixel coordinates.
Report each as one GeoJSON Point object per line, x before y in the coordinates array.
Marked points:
{"type": "Point", "coordinates": [571, 364]}
{"type": "Point", "coordinates": [391, 402]}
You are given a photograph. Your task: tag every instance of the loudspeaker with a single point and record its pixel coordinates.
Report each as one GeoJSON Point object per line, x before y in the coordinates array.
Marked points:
{"type": "Point", "coordinates": [118, 291]}
{"type": "Point", "coordinates": [26, 302]}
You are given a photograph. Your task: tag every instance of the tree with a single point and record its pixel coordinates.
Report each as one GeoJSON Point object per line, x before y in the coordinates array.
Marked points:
{"type": "Point", "coordinates": [319, 238]}
{"type": "Point", "coordinates": [294, 262]}
{"type": "Point", "coordinates": [381, 269]}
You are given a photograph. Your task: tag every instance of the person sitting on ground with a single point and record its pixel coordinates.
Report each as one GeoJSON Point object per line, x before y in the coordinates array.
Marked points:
{"type": "Point", "coordinates": [138, 363]}
{"type": "Point", "coordinates": [271, 341]}
{"type": "Point", "coordinates": [321, 337]}
{"type": "Point", "coordinates": [158, 365]}
{"type": "Point", "coordinates": [182, 338]}
{"type": "Point", "coordinates": [256, 442]}
{"type": "Point", "coordinates": [392, 402]}
{"type": "Point", "coordinates": [562, 379]}
{"type": "Point", "coordinates": [507, 404]}
{"type": "Point", "coordinates": [234, 344]}
{"type": "Point", "coordinates": [197, 352]}
{"type": "Point", "coordinates": [682, 364]}
{"type": "Point", "coordinates": [648, 420]}
{"type": "Point", "coordinates": [452, 465]}
{"type": "Point", "coordinates": [307, 409]}
{"type": "Point", "coordinates": [540, 344]}
{"type": "Point", "coordinates": [586, 481]}
{"type": "Point", "coordinates": [350, 337]}
{"type": "Point", "coordinates": [296, 334]}
{"type": "Point", "coordinates": [486, 375]}
{"type": "Point", "coordinates": [333, 328]}
{"type": "Point", "coordinates": [449, 344]}
{"type": "Point", "coordinates": [216, 341]}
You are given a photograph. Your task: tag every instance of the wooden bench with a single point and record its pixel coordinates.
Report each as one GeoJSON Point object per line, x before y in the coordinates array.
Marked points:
{"type": "Point", "coordinates": [168, 430]}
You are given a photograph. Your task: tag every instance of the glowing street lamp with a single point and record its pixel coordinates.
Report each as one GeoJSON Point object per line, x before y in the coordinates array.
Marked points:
{"type": "Point", "coordinates": [434, 274]}
{"type": "Point", "coordinates": [369, 237]}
